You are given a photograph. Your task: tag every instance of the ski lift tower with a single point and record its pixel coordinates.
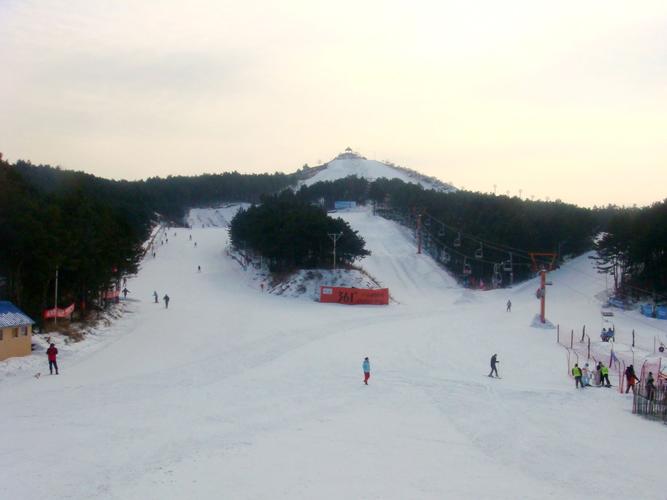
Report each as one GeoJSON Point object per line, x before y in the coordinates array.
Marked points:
{"type": "Point", "coordinates": [542, 290]}
{"type": "Point", "coordinates": [418, 228]}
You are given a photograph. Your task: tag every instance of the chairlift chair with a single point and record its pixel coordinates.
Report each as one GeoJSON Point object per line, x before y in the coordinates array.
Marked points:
{"type": "Point", "coordinates": [446, 257]}
{"type": "Point", "coordinates": [479, 253]}
{"type": "Point", "coordinates": [457, 240]}
{"type": "Point", "coordinates": [466, 268]}
{"type": "Point", "coordinates": [507, 265]}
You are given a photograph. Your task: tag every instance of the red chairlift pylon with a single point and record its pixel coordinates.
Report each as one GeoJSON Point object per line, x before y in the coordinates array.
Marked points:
{"type": "Point", "coordinates": [542, 291]}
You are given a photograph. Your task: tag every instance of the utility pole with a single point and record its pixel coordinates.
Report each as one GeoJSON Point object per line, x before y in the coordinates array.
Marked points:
{"type": "Point", "coordinates": [419, 233]}
{"type": "Point", "coordinates": [543, 287]}
{"type": "Point", "coordinates": [55, 316]}
{"type": "Point", "coordinates": [334, 237]}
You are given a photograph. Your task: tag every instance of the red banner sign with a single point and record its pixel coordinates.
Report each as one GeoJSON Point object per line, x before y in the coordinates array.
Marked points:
{"type": "Point", "coordinates": [353, 296]}
{"type": "Point", "coordinates": [111, 294]}
{"type": "Point", "coordinates": [56, 312]}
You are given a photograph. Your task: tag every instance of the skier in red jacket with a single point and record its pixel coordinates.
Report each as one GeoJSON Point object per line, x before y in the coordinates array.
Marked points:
{"type": "Point", "coordinates": [52, 352]}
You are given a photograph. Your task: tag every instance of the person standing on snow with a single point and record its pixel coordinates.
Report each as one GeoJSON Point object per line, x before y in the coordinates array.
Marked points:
{"type": "Point", "coordinates": [650, 386]}
{"type": "Point", "coordinates": [576, 373]}
{"type": "Point", "coordinates": [366, 366]}
{"type": "Point", "coordinates": [586, 376]}
{"type": "Point", "coordinates": [155, 296]}
{"type": "Point", "coordinates": [51, 353]}
{"type": "Point", "coordinates": [631, 378]}
{"type": "Point", "coordinates": [166, 301]}
{"type": "Point", "coordinates": [597, 378]}
{"type": "Point", "coordinates": [494, 362]}
{"type": "Point", "coordinates": [604, 375]}
{"type": "Point", "coordinates": [125, 292]}
{"type": "Point", "coordinates": [509, 305]}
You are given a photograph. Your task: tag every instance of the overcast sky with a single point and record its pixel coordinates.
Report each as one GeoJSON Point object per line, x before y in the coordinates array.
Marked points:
{"type": "Point", "coordinates": [562, 99]}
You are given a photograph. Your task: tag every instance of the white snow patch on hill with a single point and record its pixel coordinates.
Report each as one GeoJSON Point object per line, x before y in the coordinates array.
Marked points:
{"type": "Point", "coordinates": [214, 217]}
{"type": "Point", "coordinates": [368, 169]}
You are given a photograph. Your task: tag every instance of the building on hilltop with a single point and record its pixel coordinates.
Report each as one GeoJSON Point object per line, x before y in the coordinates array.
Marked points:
{"type": "Point", "coordinates": [348, 154]}
{"type": "Point", "coordinates": [15, 331]}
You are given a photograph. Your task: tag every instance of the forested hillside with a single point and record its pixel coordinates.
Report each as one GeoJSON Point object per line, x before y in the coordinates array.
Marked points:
{"type": "Point", "coordinates": [472, 231]}
{"type": "Point", "coordinates": [91, 229]}
{"type": "Point", "coordinates": [633, 249]}
{"type": "Point", "coordinates": [88, 240]}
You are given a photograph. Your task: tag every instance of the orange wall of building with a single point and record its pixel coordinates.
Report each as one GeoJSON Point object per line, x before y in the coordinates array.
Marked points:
{"type": "Point", "coordinates": [11, 346]}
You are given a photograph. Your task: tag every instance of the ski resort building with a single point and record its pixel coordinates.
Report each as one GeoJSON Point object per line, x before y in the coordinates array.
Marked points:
{"type": "Point", "coordinates": [348, 154]}
{"type": "Point", "coordinates": [15, 331]}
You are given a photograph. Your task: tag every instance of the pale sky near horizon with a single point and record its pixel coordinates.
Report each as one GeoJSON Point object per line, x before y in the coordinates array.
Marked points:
{"type": "Point", "coordinates": [561, 100]}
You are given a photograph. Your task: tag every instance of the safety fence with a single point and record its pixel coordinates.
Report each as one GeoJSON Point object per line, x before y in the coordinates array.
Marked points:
{"type": "Point", "coordinates": [581, 350]}
{"type": "Point", "coordinates": [650, 399]}
{"type": "Point", "coordinates": [615, 355]}
{"type": "Point", "coordinates": [651, 403]}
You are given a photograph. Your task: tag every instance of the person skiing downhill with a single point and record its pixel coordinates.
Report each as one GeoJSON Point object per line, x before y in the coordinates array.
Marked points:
{"type": "Point", "coordinates": [366, 366]}
{"type": "Point", "coordinates": [155, 296]}
{"type": "Point", "coordinates": [125, 292]}
{"type": "Point", "coordinates": [166, 301]}
{"type": "Point", "coordinates": [494, 362]}
{"type": "Point", "coordinates": [509, 305]}
{"type": "Point", "coordinates": [51, 353]}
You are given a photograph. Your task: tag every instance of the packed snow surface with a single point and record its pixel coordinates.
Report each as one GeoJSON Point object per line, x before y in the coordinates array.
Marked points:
{"type": "Point", "coordinates": [369, 169]}
{"type": "Point", "coordinates": [235, 393]}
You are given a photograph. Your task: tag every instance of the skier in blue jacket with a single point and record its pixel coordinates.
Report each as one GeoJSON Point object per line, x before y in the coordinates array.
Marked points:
{"type": "Point", "coordinates": [366, 366]}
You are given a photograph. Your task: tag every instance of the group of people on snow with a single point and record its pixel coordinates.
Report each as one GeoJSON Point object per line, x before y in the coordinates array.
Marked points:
{"type": "Point", "coordinates": [632, 380]}
{"type": "Point", "coordinates": [366, 367]}
{"type": "Point", "coordinates": [165, 298]}
{"type": "Point", "coordinates": [607, 335]}
{"type": "Point", "coordinates": [584, 377]}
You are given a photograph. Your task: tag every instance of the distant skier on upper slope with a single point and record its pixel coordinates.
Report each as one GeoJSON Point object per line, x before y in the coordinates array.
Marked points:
{"type": "Point", "coordinates": [494, 362]}
{"type": "Point", "coordinates": [366, 366]}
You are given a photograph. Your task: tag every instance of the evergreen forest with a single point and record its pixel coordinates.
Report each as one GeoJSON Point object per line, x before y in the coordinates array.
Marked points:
{"type": "Point", "coordinates": [292, 234]}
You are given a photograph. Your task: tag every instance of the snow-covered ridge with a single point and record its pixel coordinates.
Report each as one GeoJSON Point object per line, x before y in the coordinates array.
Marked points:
{"type": "Point", "coordinates": [351, 163]}
{"type": "Point", "coordinates": [213, 217]}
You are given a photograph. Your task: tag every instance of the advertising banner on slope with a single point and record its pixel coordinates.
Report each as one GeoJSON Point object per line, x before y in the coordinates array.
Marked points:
{"type": "Point", "coordinates": [57, 312]}
{"type": "Point", "coordinates": [353, 296]}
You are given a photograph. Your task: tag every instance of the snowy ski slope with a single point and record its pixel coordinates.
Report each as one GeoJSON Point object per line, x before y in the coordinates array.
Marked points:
{"type": "Point", "coordinates": [231, 393]}
{"type": "Point", "coordinates": [369, 169]}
